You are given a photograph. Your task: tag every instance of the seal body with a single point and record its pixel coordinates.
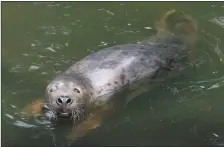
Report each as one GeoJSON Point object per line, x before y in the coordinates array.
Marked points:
{"type": "Point", "coordinates": [103, 74]}
{"type": "Point", "coordinates": [110, 69]}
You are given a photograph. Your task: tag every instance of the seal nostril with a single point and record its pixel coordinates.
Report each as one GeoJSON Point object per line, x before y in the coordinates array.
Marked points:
{"type": "Point", "coordinates": [59, 101]}
{"type": "Point", "coordinates": [69, 101]}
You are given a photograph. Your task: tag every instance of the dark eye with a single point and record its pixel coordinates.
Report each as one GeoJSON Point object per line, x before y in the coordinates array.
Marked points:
{"type": "Point", "coordinates": [54, 88]}
{"type": "Point", "coordinates": [76, 90]}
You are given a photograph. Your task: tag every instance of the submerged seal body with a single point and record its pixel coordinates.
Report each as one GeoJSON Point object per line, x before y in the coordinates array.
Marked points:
{"type": "Point", "coordinates": [96, 79]}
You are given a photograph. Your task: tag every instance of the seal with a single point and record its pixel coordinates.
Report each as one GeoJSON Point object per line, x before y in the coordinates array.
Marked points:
{"type": "Point", "coordinates": [91, 89]}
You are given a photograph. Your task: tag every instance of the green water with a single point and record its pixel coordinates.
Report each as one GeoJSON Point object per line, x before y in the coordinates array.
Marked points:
{"type": "Point", "coordinates": [42, 39]}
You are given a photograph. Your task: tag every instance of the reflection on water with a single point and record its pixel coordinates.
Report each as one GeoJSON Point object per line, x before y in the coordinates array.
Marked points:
{"type": "Point", "coordinates": [218, 20]}
{"type": "Point", "coordinates": [42, 39]}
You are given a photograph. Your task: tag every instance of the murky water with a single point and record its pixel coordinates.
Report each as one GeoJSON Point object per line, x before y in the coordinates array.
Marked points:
{"type": "Point", "coordinates": [41, 39]}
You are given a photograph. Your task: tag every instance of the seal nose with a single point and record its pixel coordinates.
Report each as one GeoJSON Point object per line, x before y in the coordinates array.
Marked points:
{"type": "Point", "coordinates": [64, 100]}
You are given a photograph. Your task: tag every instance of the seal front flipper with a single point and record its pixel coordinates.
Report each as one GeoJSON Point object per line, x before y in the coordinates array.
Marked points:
{"type": "Point", "coordinates": [84, 128]}
{"type": "Point", "coordinates": [34, 109]}
{"type": "Point", "coordinates": [92, 121]}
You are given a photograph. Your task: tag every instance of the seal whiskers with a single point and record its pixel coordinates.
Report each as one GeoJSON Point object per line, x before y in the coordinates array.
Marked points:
{"type": "Point", "coordinates": [77, 114]}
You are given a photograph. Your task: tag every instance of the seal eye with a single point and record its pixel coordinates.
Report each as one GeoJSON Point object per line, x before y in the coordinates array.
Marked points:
{"type": "Point", "coordinates": [54, 87]}
{"type": "Point", "coordinates": [76, 90]}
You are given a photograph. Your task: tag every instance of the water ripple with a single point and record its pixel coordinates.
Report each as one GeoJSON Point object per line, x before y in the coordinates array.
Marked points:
{"type": "Point", "coordinates": [24, 125]}
{"type": "Point", "coordinates": [55, 47]}
{"type": "Point", "coordinates": [53, 4]}
{"type": "Point", "coordinates": [53, 30]}
{"type": "Point", "coordinates": [218, 20]}
{"type": "Point", "coordinates": [35, 44]}
{"type": "Point", "coordinates": [218, 51]}
{"type": "Point", "coordinates": [34, 67]}
{"type": "Point", "coordinates": [107, 11]}
{"type": "Point", "coordinates": [17, 68]}
{"type": "Point", "coordinates": [197, 87]}
{"type": "Point", "coordinates": [9, 116]}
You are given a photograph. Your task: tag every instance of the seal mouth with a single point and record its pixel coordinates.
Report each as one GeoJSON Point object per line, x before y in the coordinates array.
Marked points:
{"type": "Point", "coordinates": [63, 113]}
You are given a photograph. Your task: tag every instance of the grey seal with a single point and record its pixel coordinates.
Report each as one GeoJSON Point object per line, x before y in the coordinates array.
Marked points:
{"type": "Point", "coordinates": [88, 90]}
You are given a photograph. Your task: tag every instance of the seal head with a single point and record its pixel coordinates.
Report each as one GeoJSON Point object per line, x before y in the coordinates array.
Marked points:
{"type": "Point", "coordinates": [65, 98]}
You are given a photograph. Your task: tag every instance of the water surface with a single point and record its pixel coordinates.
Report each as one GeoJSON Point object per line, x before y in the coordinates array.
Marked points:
{"type": "Point", "coordinates": [42, 39]}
